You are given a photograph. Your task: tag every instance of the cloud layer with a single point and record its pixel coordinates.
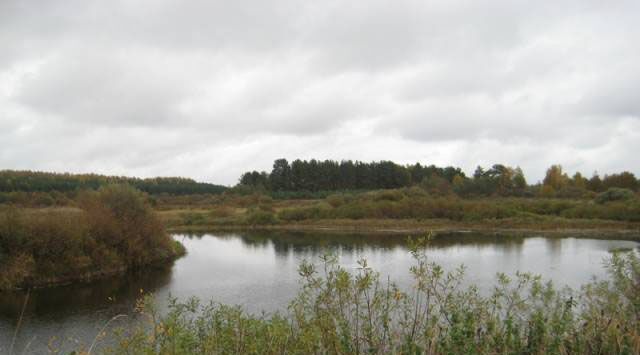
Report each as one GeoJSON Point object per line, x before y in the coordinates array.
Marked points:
{"type": "Point", "coordinates": [208, 89]}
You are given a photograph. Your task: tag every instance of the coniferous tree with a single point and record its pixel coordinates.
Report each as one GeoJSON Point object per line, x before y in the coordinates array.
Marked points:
{"type": "Point", "coordinates": [280, 178]}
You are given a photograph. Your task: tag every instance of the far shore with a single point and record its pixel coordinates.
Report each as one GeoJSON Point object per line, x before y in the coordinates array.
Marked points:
{"type": "Point", "coordinates": [576, 228]}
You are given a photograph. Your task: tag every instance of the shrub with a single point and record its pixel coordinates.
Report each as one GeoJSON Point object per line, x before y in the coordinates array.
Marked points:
{"type": "Point", "coordinates": [571, 192]}
{"type": "Point", "coordinates": [120, 216]}
{"type": "Point", "coordinates": [354, 210]}
{"type": "Point", "coordinates": [221, 212]}
{"type": "Point", "coordinates": [436, 185]}
{"type": "Point", "coordinates": [192, 218]}
{"type": "Point", "coordinates": [302, 213]}
{"type": "Point", "coordinates": [547, 191]}
{"type": "Point", "coordinates": [614, 194]}
{"type": "Point", "coordinates": [388, 195]}
{"type": "Point", "coordinates": [335, 200]}
{"type": "Point", "coordinates": [415, 192]}
{"type": "Point", "coordinates": [260, 217]}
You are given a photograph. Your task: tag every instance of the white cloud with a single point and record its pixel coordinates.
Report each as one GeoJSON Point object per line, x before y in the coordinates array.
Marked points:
{"type": "Point", "coordinates": [209, 89]}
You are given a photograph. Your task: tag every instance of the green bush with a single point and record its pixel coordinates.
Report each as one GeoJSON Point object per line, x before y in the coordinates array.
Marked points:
{"type": "Point", "coordinates": [572, 192]}
{"type": "Point", "coordinates": [260, 217]}
{"type": "Point", "coordinates": [303, 213]}
{"type": "Point", "coordinates": [192, 218]}
{"type": "Point", "coordinates": [615, 194]}
{"type": "Point", "coordinates": [388, 195]}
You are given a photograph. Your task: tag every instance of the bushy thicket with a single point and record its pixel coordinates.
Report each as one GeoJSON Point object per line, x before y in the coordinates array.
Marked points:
{"type": "Point", "coordinates": [114, 230]}
{"type": "Point", "coordinates": [338, 311]}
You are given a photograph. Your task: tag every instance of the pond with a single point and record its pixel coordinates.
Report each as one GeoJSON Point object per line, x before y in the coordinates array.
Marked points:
{"type": "Point", "coordinates": [258, 270]}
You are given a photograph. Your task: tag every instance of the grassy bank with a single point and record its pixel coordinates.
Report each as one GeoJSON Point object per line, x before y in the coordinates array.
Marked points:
{"type": "Point", "coordinates": [408, 211]}
{"type": "Point", "coordinates": [113, 230]}
{"type": "Point", "coordinates": [339, 311]}
{"type": "Point", "coordinates": [402, 228]}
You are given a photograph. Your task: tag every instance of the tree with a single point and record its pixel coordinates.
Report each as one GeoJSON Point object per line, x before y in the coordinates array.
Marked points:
{"type": "Point", "coordinates": [502, 175]}
{"type": "Point", "coordinates": [280, 178]}
{"type": "Point", "coordinates": [595, 183]}
{"type": "Point", "coordinates": [623, 180]}
{"type": "Point", "coordinates": [417, 173]}
{"type": "Point", "coordinates": [436, 185]}
{"type": "Point", "coordinates": [347, 175]}
{"type": "Point", "coordinates": [518, 179]}
{"type": "Point", "coordinates": [458, 182]}
{"type": "Point", "coordinates": [478, 173]}
{"type": "Point", "coordinates": [450, 172]}
{"type": "Point", "coordinates": [254, 179]}
{"type": "Point", "coordinates": [34, 181]}
{"type": "Point", "coordinates": [547, 191]}
{"type": "Point", "coordinates": [579, 181]}
{"type": "Point", "coordinates": [555, 177]}
{"type": "Point", "coordinates": [299, 175]}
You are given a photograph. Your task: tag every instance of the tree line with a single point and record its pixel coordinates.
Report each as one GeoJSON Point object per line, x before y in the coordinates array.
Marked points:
{"type": "Point", "coordinates": [35, 181]}
{"type": "Point", "coordinates": [316, 175]}
{"type": "Point", "coordinates": [330, 175]}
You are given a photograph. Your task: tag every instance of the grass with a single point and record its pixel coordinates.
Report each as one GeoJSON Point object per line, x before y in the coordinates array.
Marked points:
{"type": "Point", "coordinates": [338, 311]}
{"type": "Point", "coordinates": [272, 218]}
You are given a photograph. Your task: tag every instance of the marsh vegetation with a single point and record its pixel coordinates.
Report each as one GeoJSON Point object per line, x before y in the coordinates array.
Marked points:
{"type": "Point", "coordinates": [339, 311]}
{"type": "Point", "coordinates": [112, 230]}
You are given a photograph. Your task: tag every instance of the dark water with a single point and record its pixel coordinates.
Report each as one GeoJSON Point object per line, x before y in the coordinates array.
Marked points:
{"type": "Point", "coordinates": [259, 271]}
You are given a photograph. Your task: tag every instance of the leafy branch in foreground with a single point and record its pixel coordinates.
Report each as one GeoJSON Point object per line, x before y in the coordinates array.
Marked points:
{"type": "Point", "coordinates": [343, 312]}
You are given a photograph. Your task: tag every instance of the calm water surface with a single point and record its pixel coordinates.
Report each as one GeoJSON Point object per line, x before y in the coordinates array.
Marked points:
{"type": "Point", "coordinates": [259, 272]}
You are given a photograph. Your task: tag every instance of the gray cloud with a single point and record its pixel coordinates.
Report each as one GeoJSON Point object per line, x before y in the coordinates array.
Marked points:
{"type": "Point", "coordinates": [209, 89]}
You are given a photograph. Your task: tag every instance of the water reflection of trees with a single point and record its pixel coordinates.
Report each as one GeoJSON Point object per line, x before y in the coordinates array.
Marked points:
{"type": "Point", "coordinates": [285, 242]}
{"type": "Point", "coordinates": [554, 247]}
{"type": "Point", "coordinates": [115, 294]}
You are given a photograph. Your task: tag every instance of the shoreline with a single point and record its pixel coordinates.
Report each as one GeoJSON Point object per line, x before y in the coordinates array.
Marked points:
{"type": "Point", "coordinates": [409, 227]}
{"type": "Point", "coordinates": [94, 275]}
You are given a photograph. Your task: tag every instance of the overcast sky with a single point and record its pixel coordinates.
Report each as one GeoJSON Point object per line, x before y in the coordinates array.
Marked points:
{"type": "Point", "coordinates": [209, 89]}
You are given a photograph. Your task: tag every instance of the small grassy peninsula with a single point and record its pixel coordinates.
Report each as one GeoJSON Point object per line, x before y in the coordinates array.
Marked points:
{"type": "Point", "coordinates": [111, 230]}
